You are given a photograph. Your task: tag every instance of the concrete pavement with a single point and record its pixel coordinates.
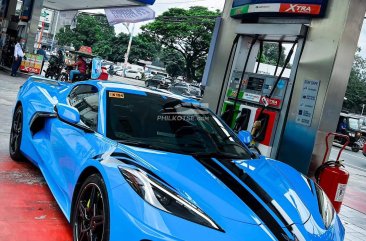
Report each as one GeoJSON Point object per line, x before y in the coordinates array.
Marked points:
{"type": "Point", "coordinates": [29, 212]}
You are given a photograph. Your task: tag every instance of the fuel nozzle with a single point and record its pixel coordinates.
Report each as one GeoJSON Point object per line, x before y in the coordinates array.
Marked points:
{"type": "Point", "coordinates": [256, 126]}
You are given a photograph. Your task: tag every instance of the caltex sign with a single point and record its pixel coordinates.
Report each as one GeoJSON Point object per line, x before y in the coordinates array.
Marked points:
{"type": "Point", "coordinates": [278, 8]}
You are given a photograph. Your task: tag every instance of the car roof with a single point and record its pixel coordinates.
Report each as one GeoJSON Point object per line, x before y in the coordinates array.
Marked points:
{"type": "Point", "coordinates": [118, 86]}
{"type": "Point", "coordinates": [355, 116]}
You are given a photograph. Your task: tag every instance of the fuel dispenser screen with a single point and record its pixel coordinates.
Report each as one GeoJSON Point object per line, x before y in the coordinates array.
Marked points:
{"type": "Point", "coordinates": [256, 86]}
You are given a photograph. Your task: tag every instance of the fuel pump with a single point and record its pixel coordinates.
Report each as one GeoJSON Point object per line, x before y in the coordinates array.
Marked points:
{"type": "Point", "coordinates": [256, 101]}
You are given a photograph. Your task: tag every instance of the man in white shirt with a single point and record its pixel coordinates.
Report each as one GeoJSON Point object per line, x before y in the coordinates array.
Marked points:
{"type": "Point", "coordinates": [18, 56]}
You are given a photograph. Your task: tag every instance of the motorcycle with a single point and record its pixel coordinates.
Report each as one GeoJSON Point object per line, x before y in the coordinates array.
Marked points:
{"type": "Point", "coordinates": [64, 76]}
{"type": "Point", "coordinates": [54, 69]}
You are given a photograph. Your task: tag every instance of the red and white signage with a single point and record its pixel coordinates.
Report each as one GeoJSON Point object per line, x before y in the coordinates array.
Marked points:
{"type": "Point", "coordinates": [312, 9]}
{"type": "Point", "coordinates": [271, 102]}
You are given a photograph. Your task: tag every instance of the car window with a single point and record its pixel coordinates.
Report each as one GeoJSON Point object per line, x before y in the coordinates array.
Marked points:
{"type": "Point", "coordinates": [353, 124]}
{"type": "Point", "coordinates": [85, 98]}
{"type": "Point", "coordinates": [173, 125]}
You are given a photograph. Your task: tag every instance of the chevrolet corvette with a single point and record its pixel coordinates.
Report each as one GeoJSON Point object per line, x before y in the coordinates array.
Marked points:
{"type": "Point", "coordinates": [128, 163]}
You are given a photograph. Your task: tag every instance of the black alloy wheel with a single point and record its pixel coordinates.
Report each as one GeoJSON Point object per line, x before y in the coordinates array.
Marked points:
{"type": "Point", "coordinates": [16, 135]}
{"type": "Point", "coordinates": [90, 218]}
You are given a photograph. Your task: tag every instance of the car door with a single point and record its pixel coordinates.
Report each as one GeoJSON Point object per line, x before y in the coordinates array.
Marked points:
{"type": "Point", "coordinates": [71, 145]}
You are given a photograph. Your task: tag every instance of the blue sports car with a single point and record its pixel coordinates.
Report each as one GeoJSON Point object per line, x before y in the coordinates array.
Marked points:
{"type": "Point", "coordinates": [128, 163]}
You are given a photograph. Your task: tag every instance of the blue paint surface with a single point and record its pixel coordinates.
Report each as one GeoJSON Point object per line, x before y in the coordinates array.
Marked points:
{"type": "Point", "coordinates": [63, 152]}
{"type": "Point", "coordinates": [150, 2]}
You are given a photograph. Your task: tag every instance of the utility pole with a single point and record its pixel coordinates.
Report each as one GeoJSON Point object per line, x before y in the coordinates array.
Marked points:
{"type": "Point", "coordinates": [363, 107]}
{"type": "Point", "coordinates": [54, 31]}
{"type": "Point", "coordinates": [129, 44]}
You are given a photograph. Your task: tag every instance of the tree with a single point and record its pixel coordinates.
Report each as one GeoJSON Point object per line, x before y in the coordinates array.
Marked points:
{"type": "Point", "coordinates": [270, 54]}
{"type": "Point", "coordinates": [143, 47]}
{"type": "Point", "coordinates": [356, 89]}
{"type": "Point", "coordinates": [173, 61]}
{"type": "Point", "coordinates": [93, 31]}
{"type": "Point", "coordinates": [188, 32]}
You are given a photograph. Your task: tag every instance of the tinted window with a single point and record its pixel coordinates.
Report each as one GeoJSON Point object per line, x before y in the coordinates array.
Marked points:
{"type": "Point", "coordinates": [168, 124]}
{"type": "Point", "coordinates": [85, 98]}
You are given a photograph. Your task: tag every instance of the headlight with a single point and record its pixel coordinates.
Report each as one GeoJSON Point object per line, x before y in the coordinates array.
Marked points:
{"type": "Point", "coordinates": [325, 206]}
{"type": "Point", "coordinates": [163, 197]}
{"type": "Point", "coordinates": [352, 134]}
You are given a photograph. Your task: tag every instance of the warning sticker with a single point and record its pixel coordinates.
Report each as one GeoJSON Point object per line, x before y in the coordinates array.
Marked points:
{"type": "Point", "coordinates": [341, 189]}
{"type": "Point", "coordinates": [116, 95]}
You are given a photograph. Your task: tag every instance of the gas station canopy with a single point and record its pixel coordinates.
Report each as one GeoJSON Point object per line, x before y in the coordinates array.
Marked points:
{"type": "Point", "coordinates": [63, 5]}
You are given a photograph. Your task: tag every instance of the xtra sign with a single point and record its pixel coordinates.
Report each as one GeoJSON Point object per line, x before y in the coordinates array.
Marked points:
{"type": "Point", "coordinates": [300, 8]}
{"type": "Point", "coordinates": [278, 8]}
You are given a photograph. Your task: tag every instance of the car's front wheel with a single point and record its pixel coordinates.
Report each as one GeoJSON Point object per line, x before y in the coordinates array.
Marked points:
{"type": "Point", "coordinates": [16, 135]}
{"type": "Point", "coordinates": [90, 218]}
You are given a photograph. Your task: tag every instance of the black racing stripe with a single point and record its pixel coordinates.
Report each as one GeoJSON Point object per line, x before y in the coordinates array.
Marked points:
{"type": "Point", "coordinates": [255, 187]}
{"type": "Point", "coordinates": [244, 194]}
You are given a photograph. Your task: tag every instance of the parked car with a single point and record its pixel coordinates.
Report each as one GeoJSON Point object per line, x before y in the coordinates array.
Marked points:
{"type": "Point", "coordinates": [186, 90]}
{"type": "Point", "coordinates": [120, 72]}
{"type": "Point", "coordinates": [133, 74]}
{"type": "Point", "coordinates": [148, 75]}
{"type": "Point", "coordinates": [157, 81]}
{"type": "Point", "coordinates": [116, 69]}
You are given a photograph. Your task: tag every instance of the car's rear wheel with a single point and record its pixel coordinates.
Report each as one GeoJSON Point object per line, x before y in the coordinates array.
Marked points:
{"type": "Point", "coordinates": [16, 135]}
{"type": "Point", "coordinates": [90, 218]}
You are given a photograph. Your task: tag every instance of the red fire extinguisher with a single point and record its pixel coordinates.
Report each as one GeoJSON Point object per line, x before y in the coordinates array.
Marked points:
{"type": "Point", "coordinates": [332, 176]}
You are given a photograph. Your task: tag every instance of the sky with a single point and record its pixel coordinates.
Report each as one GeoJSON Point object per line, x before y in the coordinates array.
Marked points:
{"type": "Point", "coordinates": [362, 40]}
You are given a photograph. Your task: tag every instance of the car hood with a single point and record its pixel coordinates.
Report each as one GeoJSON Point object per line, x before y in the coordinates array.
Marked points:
{"type": "Point", "coordinates": [195, 181]}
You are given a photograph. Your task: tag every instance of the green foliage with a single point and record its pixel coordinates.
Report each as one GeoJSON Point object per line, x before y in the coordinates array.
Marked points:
{"type": "Point", "coordinates": [173, 61]}
{"type": "Point", "coordinates": [93, 31]}
{"type": "Point", "coordinates": [180, 38]}
{"type": "Point", "coordinates": [144, 47]}
{"type": "Point", "coordinates": [356, 90]}
{"type": "Point", "coordinates": [270, 55]}
{"type": "Point", "coordinates": [188, 32]}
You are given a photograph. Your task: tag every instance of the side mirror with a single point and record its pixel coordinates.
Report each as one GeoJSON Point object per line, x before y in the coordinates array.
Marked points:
{"type": "Point", "coordinates": [245, 137]}
{"type": "Point", "coordinates": [67, 114]}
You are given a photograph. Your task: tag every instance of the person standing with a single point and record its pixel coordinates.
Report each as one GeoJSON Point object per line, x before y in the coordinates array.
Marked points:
{"type": "Point", "coordinates": [42, 51]}
{"type": "Point", "coordinates": [18, 56]}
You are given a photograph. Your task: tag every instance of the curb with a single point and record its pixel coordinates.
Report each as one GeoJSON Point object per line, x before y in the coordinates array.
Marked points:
{"type": "Point", "coordinates": [19, 74]}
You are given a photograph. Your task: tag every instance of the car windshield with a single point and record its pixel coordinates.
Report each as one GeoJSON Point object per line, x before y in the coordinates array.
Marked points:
{"type": "Point", "coordinates": [163, 123]}
{"type": "Point", "coordinates": [353, 124]}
